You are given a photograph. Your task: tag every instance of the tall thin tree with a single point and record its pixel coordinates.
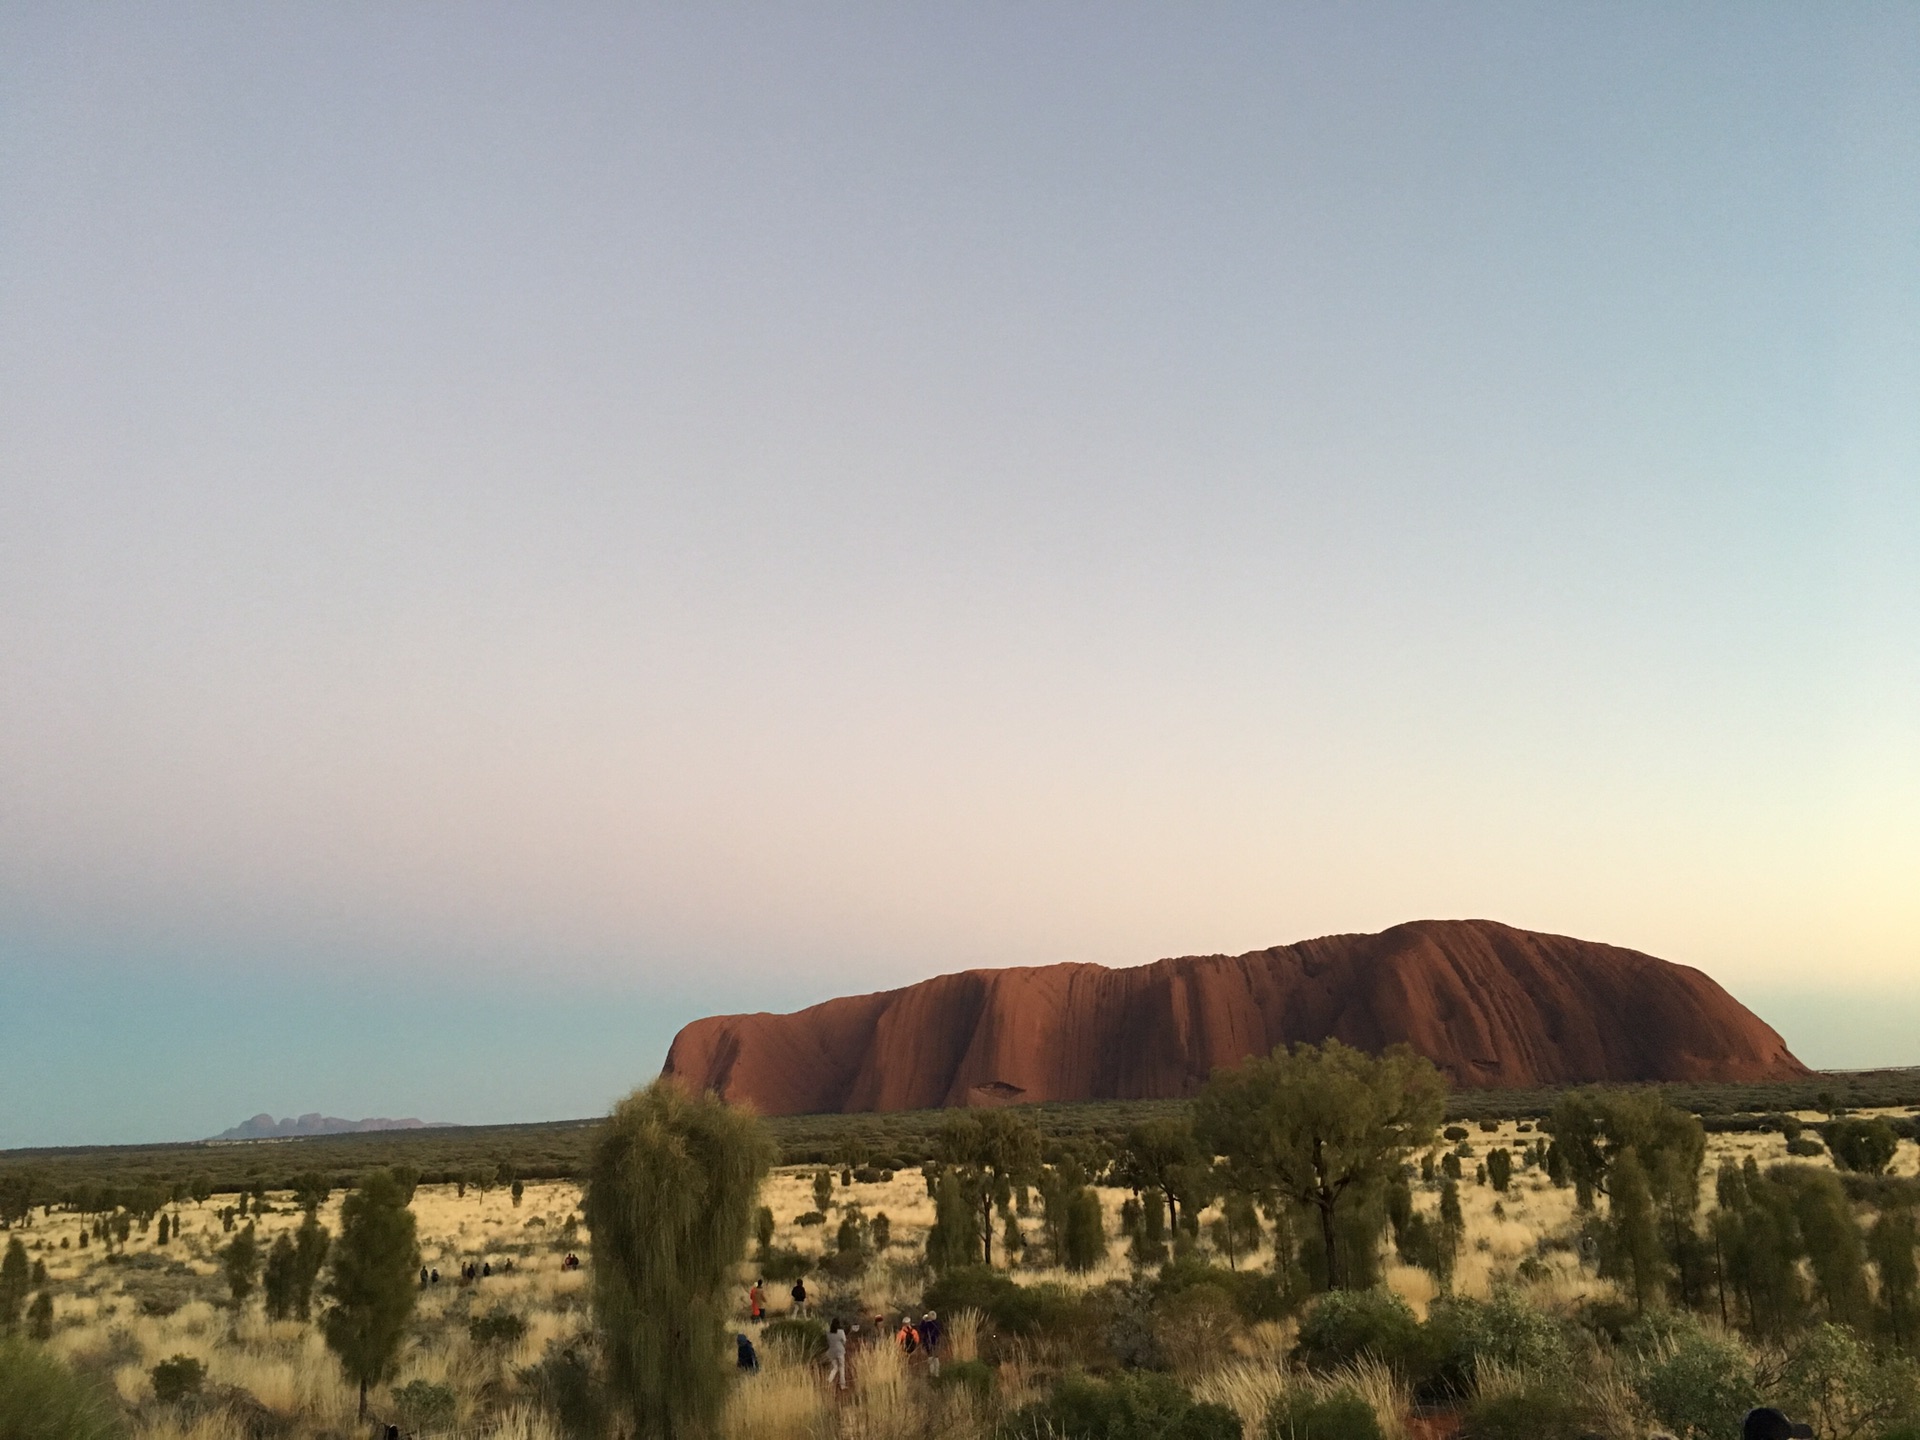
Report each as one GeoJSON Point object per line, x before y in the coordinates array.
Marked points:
{"type": "Point", "coordinates": [670, 1202]}
{"type": "Point", "coordinates": [370, 1290]}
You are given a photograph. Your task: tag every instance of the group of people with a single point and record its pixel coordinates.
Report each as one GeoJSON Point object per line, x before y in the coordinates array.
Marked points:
{"type": "Point", "coordinates": [480, 1270]}
{"type": "Point", "coordinates": [572, 1262]}
{"type": "Point", "coordinates": [913, 1337]}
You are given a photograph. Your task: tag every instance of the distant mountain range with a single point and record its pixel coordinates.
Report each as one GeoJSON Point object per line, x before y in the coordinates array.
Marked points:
{"type": "Point", "coordinates": [265, 1127]}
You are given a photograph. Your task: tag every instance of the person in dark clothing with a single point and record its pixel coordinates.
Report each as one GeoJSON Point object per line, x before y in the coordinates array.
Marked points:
{"type": "Point", "coordinates": [1767, 1423]}
{"type": "Point", "coordinates": [799, 1293]}
{"type": "Point", "coordinates": [930, 1341]}
{"type": "Point", "coordinates": [743, 1353]}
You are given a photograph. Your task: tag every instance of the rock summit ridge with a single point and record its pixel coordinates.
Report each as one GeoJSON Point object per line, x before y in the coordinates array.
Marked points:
{"type": "Point", "coordinates": [1491, 1005]}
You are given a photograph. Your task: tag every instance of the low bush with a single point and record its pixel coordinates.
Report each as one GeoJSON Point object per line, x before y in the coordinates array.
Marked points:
{"type": "Point", "coordinates": [1344, 1325]}
{"type": "Point", "coordinates": [502, 1327]}
{"type": "Point", "coordinates": [1256, 1294]}
{"type": "Point", "coordinates": [803, 1335]}
{"type": "Point", "coordinates": [1010, 1308]}
{"type": "Point", "coordinates": [973, 1376]}
{"type": "Point", "coordinates": [1696, 1382]}
{"type": "Point", "coordinates": [565, 1384]}
{"type": "Point", "coordinates": [1127, 1407]}
{"type": "Point", "coordinates": [177, 1379]}
{"type": "Point", "coordinates": [424, 1405]}
{"type": "Point", "coordinates": [1805, 1146]}
{"type": "Point", "coordinates": [40, 1399]}
{"type": "Point", "coordinates": [810, 1217]}
{"type": "Point", "coordinates": [1343, 1415]}
{"type": "Point", "coordinates": [1538, 1412]}
{"type": "Point", "coordinates": [780, 1263]}
{"type": "Point", "coordinates": [1462, 1334]}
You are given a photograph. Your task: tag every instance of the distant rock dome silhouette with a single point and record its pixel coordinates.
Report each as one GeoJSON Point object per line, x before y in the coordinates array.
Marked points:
{"type": "Point", "coordinates": [1492, 1006]}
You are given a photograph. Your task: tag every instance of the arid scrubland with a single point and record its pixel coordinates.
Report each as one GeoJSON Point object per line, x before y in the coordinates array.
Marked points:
{"type": "Point", "coordinates": [121, 1309]}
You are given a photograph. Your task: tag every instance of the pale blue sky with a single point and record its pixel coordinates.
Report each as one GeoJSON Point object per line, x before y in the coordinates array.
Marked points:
{"type": "Point", "coordinates": [523, 526]}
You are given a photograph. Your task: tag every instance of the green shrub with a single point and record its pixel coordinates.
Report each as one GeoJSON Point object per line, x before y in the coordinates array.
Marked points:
{"type": "Point", "coordinates": [1539, 1412]}
{"type": "Point", "coordinates": [40, 1399]}
{"type": "Point", "coordinates": [1344, 1325]}
{"type": "Point", "coordinates": [802, 1334]}
{"type": "Point", "coordinates": [502, 1327]}
{"type": "Point", "coordinates": [1127, 1407]}
{"type": "Point", "coordinates": [810, 1217]}
{"type": "Point", "coordinates": [1805, 1147]}
{"type": "Point", "coordinates": [424, 1405]}
{"type": "Point", "coordinates": [780, 1263]}
{"type": "Point", "coordinates": [1460, 1333]}
{"type": "Point", "coordinates": [1695, 1382]}
{"type": "Point", "coordinates": [1010, 1308]}
{"type": "Point", "coordinates": [1341, 1416]}
{"type": "Point", "coordinates": [973, 1376]}
{"type": "Point", "coordinates": [565, 1384]}
{"type": "Point", "coordinates": [1256, 1294]}
{"type": "Point", "coordinates": [177, 1379]}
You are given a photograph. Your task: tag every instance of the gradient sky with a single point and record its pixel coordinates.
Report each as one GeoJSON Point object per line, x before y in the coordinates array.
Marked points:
{"type": "Point", "coordinates": [524, 525]}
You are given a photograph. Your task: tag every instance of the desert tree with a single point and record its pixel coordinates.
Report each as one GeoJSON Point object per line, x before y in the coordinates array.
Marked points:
{"type": "Point", "coordinates": [992, 1151]}
{"type": "Point", "coordinates": [1321, 1127]}
{"type": "Point", "coordinates": [670, 1199]}
{"type": "Point", "coordinates": [1864, 1146]}
{"type": "Point", "coordinates": [40, 1317]}
{"type": "Point", "coordinates": [1633, 1230]}
{"type": "Point", "coordinates": [954, 1239]}
{"type": "Point", "coordinates": [1086, 1231]}
{"type": "Point", "coordinates": [277, 1278]}
{"type": "Point", "coordinates": [310, 1244]}
{"type": "Point", "coordinates": [763, 1231]}
{"type": "Point", "coordinates": [370, 1290]}
{"type": "Point", "coordinates": [1162, 1155]}
{"type": "Point", "coordinates": [14, 1272]}
{"type": "Point", "coordinates": [242, 1261]}
{"type": "Point", "coordinates": [822, 1189]}
{"type": "Point", "coordinates": [1592, 1128]}
{"type": "Point", "coordinates": [1890, 1245]}
{"type": "Point", "coordinates": [1499, 1169]}
{"type": "Point", "coordinates": [1834, 1250]}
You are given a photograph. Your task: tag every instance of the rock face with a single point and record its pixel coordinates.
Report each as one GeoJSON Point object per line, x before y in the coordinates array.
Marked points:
{"type": "Point", "coordinates": [1490, 1005]}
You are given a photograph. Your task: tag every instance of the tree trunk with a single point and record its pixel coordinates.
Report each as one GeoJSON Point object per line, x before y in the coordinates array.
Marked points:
{"type": "Point", "coordinates": [1327, 1238]}
{"type": "Point", "coordinates": [363, 1399]}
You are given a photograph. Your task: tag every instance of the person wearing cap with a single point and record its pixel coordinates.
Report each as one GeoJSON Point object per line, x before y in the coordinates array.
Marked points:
{"type": "Point", "coordinates": [1767, 1423]}
{"type": "Point", "coordinates": [930, 1341]}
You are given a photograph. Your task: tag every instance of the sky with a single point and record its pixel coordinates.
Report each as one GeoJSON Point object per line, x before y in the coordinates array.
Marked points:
{"type": "Point", "coordinates": [521, 526]}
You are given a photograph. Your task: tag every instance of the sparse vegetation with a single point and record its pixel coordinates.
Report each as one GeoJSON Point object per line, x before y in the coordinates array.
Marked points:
{"type": "Point", "coordinates": [1724, 1272]}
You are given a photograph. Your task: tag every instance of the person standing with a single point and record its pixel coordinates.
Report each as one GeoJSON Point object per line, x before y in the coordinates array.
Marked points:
{"type": "Point", "coordinates": [930, 1340]}
{"type": "Point", "coordinates": [756, 1302]}
{"type": "Point", "coordinates": [799, 1293]}
{"type": "Point", "coordinates": [837, 1355]}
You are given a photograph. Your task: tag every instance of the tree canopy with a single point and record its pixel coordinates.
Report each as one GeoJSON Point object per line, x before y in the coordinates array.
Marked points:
{"type": "Point", "coordinates": [1321, 1125]}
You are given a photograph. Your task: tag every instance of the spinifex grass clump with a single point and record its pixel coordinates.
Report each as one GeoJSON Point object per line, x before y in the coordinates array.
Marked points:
{"type": "Point", "coordinates": [670, 1203]}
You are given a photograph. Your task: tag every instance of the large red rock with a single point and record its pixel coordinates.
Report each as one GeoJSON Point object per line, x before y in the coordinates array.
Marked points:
{"type": "Point", "coordinates": [1491, 1005]}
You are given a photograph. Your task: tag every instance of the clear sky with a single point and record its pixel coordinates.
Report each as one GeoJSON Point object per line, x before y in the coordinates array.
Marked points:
{"type": "Point", "coordinates": [524, 525]}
